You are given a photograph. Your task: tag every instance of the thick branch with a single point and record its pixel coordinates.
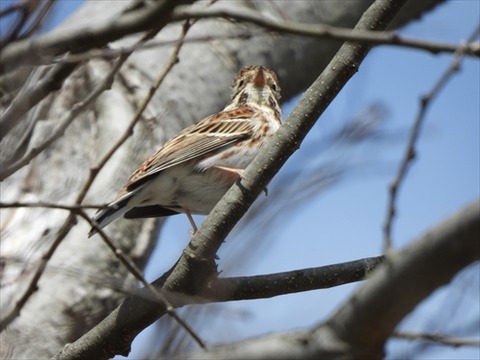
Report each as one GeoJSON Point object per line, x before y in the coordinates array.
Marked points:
{"type": "Point", "coordinates": [115, 333]}
{"type": "Point", "coordinates": [359, 328]}
{"type": "Point", "coordinates": [407, 278]}
{"type": "Point", "coordinates": [265, 286]}
{"type": "Point", "coordinates": [201, 251]}
{"type": "Point", "coordinates": [210, 236]}
{"type": "Point", "coordinates": [92, 36]}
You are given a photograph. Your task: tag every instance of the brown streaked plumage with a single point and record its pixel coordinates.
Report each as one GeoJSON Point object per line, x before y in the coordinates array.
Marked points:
{"type": "Point", "coordinates": [193, 170]}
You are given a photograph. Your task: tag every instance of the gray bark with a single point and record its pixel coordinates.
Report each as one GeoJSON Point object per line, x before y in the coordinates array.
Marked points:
{"type": "Point", "coordinates": [76, 290]}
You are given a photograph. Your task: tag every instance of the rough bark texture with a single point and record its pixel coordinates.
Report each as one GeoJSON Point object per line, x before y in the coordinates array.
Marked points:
{"type": "Point", "coordinates": [76, 291]}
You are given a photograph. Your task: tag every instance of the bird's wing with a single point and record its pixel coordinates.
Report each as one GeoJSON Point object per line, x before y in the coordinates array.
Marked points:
{"type": "Point", "coordinates": [208, 136]}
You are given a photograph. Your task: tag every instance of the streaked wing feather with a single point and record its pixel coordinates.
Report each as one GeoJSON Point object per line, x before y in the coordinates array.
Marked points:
{"type": "Point", "coordinates": [209, 135]}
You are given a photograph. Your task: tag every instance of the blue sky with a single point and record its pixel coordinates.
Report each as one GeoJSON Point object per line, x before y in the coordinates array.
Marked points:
{"type": "Point", "coordinates": [345, 222]}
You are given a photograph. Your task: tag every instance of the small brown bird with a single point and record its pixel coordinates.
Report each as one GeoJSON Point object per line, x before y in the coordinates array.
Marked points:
{"type": "Point", "coordinates": [193, 170]}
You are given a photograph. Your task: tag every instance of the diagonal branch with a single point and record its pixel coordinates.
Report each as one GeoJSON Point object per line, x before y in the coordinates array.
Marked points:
{"type": "Point", "coordinates": [406, 278]}
{"type": "Point", "coordinates": [86, 40]}
{"type": "Point", "coordinates": [95, 35]}
{"type": "Point", "coordinates": [234, 204]}
{"type": "Point", "coordinates": [199, 256]}
{"type": "Point", "coordinates": [24, 101]}
{"type": "Point", "coordinates": [359, 328]}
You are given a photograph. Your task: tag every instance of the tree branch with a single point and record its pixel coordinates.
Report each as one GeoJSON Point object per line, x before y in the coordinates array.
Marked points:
{"type": "Point", "coordinates": [195, 265]}
{"type": "Point", "coordinates": [245, 287]}
{"type": "Point", "coordinates": [360, 328]}
{"type": "Point", "coordinates": [410, 152]}
{"type": "Point", "coordinates": [54, 79]}
{"type": "Point", "coordinates": [24, 101]}
{"type": "Point", "coordinates": [407, 278]}
{"type": "Point", "coordinates": [210, 236]}
{"type": "Point", "coordinates": [40, 50]}
{"type": "Point", "coordinates": [325, 31]}
{"type": "Point", "coordinates": [114, 334]}
{"type": "Point", "coordinates": [95, 35]}
{"type": "Point", "coordinates": [441, 339]}
{"type": "Point", "coordinates": [290, 282]}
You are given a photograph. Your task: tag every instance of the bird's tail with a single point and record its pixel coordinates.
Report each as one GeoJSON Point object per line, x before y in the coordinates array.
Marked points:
{"type": "Point", "coordinates": [112, 211]}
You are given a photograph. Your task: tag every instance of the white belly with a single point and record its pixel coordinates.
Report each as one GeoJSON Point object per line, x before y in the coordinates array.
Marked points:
{"type": "Point", "coordinates": [180, 187]}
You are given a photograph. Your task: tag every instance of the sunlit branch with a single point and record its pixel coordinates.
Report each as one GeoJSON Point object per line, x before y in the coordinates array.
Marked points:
{"type": "Point", "coordinates": [290, 282]}
{"type": "Point", "coordinates": [325, 31]}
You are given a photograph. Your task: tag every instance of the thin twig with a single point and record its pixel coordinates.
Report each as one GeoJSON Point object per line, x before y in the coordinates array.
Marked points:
{"type": "Point", "coordinates": [446, 340]}
{"type": "Point", "coordinates": [124, 259]}
{"type": "Point", "coordinates": [111, 53]}
{"type": "Point", "coordinates": [42, 15]}
{"type": "Point", "coordinates": [410, 152]}
{"type": "Point", "coordinates": [324, 31]}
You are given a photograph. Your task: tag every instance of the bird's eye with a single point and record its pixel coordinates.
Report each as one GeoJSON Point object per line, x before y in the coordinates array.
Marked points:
{"type": "Point", "coordinates": [240, 83]}
{"type": "Point", "coordinates": [274, 87]}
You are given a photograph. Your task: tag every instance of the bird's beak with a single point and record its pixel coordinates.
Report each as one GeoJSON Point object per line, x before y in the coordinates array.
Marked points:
{"type": "Point", "coordinates": [259, 79]}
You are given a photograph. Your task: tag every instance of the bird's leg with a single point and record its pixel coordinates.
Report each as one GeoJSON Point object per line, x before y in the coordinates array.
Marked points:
{"type": "Point", "coordinates": [190, 218]}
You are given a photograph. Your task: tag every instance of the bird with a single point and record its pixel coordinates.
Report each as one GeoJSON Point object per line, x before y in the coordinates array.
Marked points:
{"type": "Point", "coordinates": [194, 169]}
